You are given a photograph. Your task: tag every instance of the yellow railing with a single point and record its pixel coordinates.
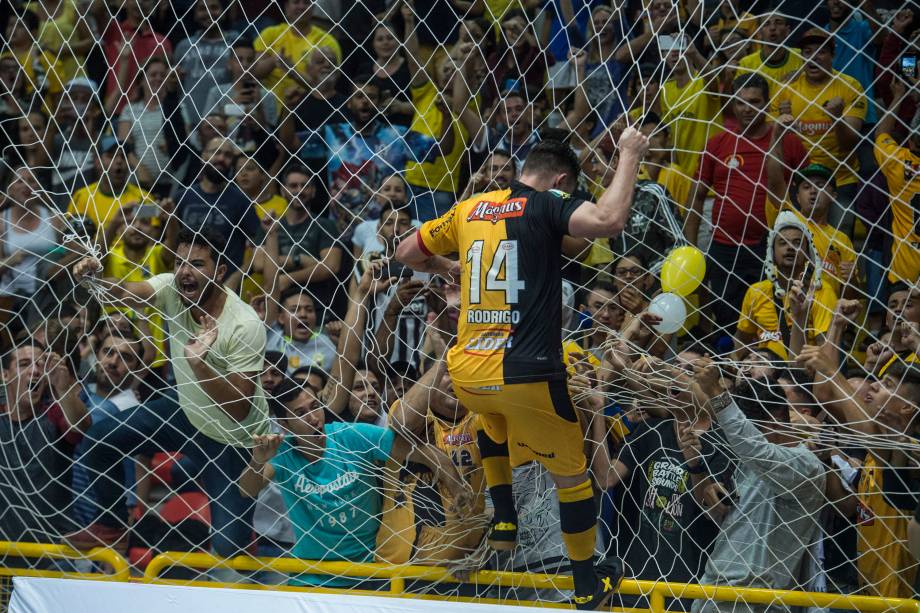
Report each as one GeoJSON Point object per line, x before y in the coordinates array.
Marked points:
{"type": "Point", "coordinates": [656, 592]}
{"type": "Point", "coordinates": [121, 570]}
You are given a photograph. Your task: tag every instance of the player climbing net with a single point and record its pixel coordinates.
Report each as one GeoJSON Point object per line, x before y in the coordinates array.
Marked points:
{"type": "Point", "coordinates": [301, 141]}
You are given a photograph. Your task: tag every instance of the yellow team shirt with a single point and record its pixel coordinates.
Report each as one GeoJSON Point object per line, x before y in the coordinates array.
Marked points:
{"type": "Point", "coordinates": [90, 202]}
{"type": "Point", "coordinates": [816, 126]}
{"type": "Point", "coordinates": [54, 37]}
{"type": "Point", "coordinates": [886, 567]}
{"type": "Point", "coordinates": [287, 40]}
{"type": "Point", "coordinates": [119, 266]}
{"type": "Point", "coordinates": [832, 246]}
{"type": "Point", "coordinates": [400, 531]}
{"type": "Point", "coordinates": [902, 172]}
{"type": "Point", "coordinates": [775, 74]}
{"type": "Point", "coordinates": [759, 316]}
{"type": "Point", "coordinates": [433, 168]}
{"type": "Point", "coordinates": [692, 114]}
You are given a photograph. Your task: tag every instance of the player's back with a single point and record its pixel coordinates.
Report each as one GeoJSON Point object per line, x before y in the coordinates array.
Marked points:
{"type": "Point", "coordinates": [509, 244]}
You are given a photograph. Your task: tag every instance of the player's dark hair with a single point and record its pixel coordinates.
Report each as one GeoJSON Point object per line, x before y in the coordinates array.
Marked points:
{"type": "Point", "coordinates": [552, 156]}
{"type": "Point", "coordinates": [752, 80]}
{"type": "Point", "coordinates": [204, 237]}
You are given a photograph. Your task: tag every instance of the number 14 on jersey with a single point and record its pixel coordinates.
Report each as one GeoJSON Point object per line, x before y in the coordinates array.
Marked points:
{"type": "Point", "coordinates": [506, 255]}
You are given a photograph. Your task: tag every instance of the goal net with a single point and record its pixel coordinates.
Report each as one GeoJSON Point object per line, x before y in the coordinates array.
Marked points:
{"type": "Point", "coordinates": [210, 346]}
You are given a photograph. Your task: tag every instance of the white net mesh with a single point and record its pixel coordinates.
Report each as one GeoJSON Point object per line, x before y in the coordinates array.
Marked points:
{"type": "Point", "coordinates": [152, 150]}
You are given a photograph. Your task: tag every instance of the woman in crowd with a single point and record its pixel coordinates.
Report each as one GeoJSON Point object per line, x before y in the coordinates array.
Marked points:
{"type": "Point", "coordinates": [27, 233]}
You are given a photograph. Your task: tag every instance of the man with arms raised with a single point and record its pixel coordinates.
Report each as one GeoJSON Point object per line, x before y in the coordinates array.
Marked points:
{"type": "Point", "coordinates": [217, 343]}
{"type": "Point", "coordinates": [507, 363]}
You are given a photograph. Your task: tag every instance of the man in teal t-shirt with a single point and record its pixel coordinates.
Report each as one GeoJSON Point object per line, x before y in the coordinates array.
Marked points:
{"type": "Point", "coordinates": [328, 473]}
{"type": "Point", "coordinates": [333, 503]}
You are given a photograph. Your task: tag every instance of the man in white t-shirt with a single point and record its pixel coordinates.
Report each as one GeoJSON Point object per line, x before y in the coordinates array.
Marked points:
{"type": "Point", "coordinates": [217, 344]}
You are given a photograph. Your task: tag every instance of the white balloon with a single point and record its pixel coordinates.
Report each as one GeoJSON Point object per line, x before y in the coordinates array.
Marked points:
{"type": "Point", "coordinates": [670, 308]}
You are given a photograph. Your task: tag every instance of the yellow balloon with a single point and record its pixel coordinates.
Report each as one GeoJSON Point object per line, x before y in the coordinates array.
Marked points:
{"type": "Point", "coordinates": [683, 271]}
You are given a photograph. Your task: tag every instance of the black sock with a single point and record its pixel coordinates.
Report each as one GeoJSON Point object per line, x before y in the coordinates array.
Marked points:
{"type": "Point", "coordinates": [583, 576]}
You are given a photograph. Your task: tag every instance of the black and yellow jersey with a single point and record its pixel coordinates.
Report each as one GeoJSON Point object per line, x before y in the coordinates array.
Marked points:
{"type": "Point", "coordinates": [509, 243]}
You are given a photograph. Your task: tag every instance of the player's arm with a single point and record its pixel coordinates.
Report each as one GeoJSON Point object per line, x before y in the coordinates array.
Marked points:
{"type": "Point", "coordinates": [421, 253]}
{"type": "Point", "coordinates": [608, 217]}
{"type": "Point", "coordinates": [128, 293]}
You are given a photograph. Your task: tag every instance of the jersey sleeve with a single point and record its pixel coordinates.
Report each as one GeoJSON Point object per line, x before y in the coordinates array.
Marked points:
{"type": "Point", "coordinates": [439, 236]}
{"type": "Point", "coordinates": [564, 213]}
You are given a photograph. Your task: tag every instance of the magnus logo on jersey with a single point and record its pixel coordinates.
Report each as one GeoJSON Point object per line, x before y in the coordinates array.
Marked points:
{"type": "Point", "coordinates": [496, 211]}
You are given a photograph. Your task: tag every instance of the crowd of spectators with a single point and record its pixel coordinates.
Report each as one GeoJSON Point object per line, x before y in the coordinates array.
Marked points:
{"type": "Point", "coordinates": [284, 149]}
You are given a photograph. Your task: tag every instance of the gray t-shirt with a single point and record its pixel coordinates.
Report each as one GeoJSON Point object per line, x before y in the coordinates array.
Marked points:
{"type": "Point", "coordinates": [318, 351]}
{"type": "Point", "coordinates": [769, 531]}
{"type": "Point", "coordinates": [239, 348]}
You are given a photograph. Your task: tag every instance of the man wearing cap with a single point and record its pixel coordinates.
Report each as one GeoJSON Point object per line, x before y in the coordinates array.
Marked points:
{"type": "Point", "coordinates": [102, 200]}
{"type": "Point", "coordinates": [811, 199]}
{"type": "Point", "coordinates": [829, 109]}
{"type": "Point", "coordinates": [901, 167]}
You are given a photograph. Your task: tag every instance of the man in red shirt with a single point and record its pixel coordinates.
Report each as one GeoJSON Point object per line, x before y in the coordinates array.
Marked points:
{"type": "Point", "coordinates": [128, 44]}
{"type": "Point", "coordinates": [733, 167]}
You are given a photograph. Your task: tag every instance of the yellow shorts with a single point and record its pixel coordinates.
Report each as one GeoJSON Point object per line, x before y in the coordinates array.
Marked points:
{"type": "Point", "coordinates": [538, 420]}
